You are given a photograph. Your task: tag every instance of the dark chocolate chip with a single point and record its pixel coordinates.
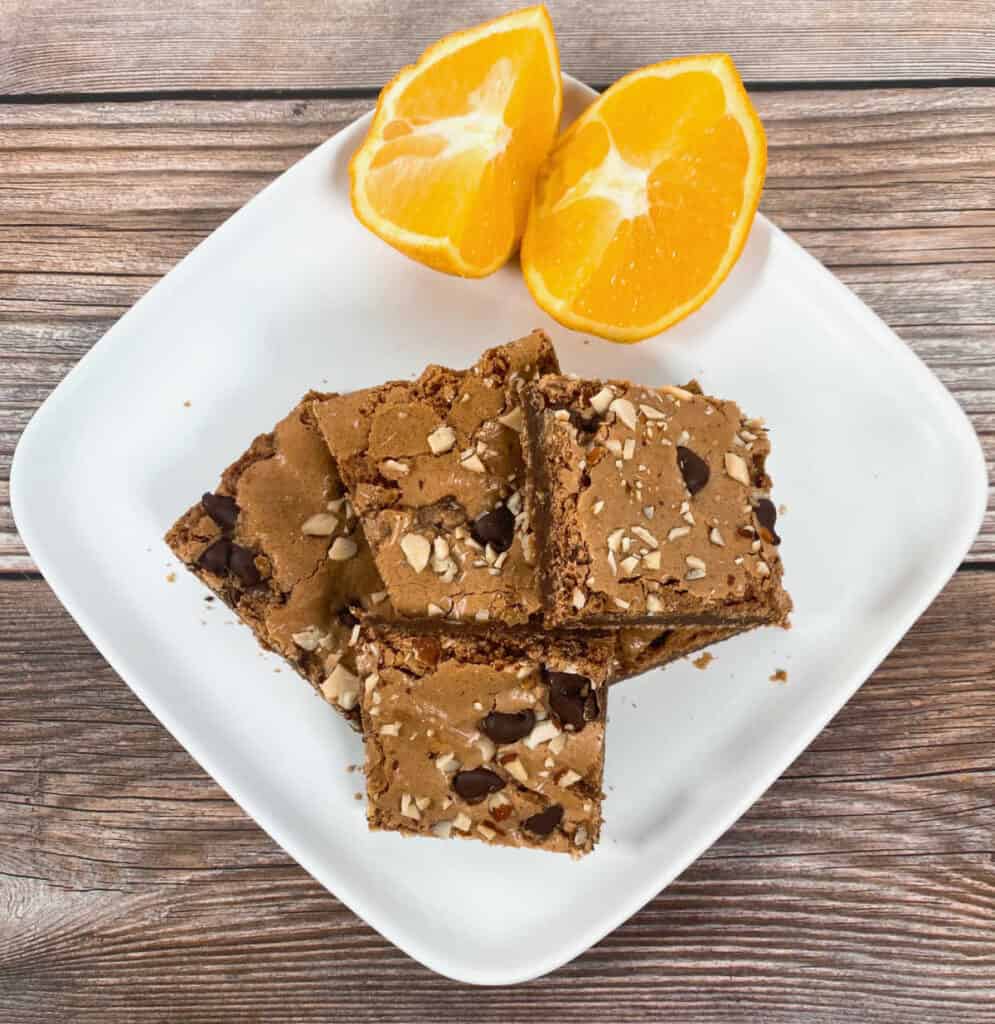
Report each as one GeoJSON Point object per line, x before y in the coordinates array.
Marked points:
{"type": "Point", "coordinates": [585, 423]}
{"type": "Point", "coordinates": [693, 468]}
{"type": "Point", "coordinates": [346, 617]}
{"type": "Point", "coordinates": [544, 822]}
{"type": "Point", "coordinates": [496, 528]}
{"type": "Point", "coordinates": [767, 516]}
{"type": "Point", "coordinates": [215, 558]}
{"type": "Point", "coordinates": [242, 563]}
{"type": "Point", "coordinates": [660, 640]}
{"type": "Point", "coordinates": [477, 783]}
{"type": "Point", "coordinates": [567, 697]}
{"type": "Point", "coordinates": [508, 728]}
{"type": "Point", "coordinates": [222, 509]}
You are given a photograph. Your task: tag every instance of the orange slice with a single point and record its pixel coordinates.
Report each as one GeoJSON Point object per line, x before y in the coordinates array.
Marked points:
{"type": "Point", "coordinates": [645, 203]}
{"type": "Point", "coordinates": [446, 171]}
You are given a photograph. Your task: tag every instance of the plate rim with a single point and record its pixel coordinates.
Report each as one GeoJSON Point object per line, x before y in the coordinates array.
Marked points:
{"type": "Point", "coordinates": [957, 421]}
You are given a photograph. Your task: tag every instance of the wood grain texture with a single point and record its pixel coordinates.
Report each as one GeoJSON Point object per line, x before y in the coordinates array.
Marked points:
{"type": "Point", "coordinates": [91, 46]}
{"type": "Point", "coordinates": [893, 188]}
{"type": "Point", "coordinates": [860, 888]}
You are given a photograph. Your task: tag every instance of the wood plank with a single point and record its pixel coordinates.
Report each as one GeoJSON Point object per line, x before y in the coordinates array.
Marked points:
{"type": "Point", "coordinates": [894, 189]}
{"type": "Point", "coordinates": [131, 887]}
{"type": "Point", "coordinates": [93, 47]}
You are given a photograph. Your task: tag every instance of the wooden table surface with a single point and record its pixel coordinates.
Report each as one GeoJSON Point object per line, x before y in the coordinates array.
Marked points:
{"type": "Point", "coordinates": [860, 888]}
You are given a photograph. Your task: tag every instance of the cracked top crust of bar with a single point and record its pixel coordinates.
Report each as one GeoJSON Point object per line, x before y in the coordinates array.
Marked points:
{"type": "Point", "coordinates": [651, 506]}
{"type": "Point", "coordinates": [262, 542]}
{"type": "Point", "coordinates": [436, 472]}
{"type": "Point", "coordinates": [494, 740]}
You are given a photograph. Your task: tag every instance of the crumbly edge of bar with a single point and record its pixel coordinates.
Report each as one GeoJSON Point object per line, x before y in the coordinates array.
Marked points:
{"type": "Point", "coordinates": [183, 533]}
{"type": "Point", "coordinates": [563, 550]}
{"type": "Point", "coordinates": [378, 821]}
{"type": "Point", "coordinates": [677, 643]}
{"type": "Point", "coordinates": [537, 493]}
{"type": "Point", "coordinates": [586, 653]}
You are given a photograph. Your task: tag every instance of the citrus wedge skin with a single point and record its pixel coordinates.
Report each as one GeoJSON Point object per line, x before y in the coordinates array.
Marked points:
{"type": "Point", "coordinates": [446, 172]}
{"type": "Point", "coordinates": [645, 203]}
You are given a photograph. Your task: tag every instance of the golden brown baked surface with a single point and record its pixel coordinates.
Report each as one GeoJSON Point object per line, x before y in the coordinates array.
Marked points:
{"type": "Point", "coordinates": [651, 506]}
{"type": "Point", "coordinates": [436, 472]}
{"type": "Point", "coordinates": [495, 740]}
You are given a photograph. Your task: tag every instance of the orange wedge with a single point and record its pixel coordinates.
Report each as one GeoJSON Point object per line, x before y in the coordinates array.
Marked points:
{"type": "Point", "coordinates": [447, 169]}
{"type": "Point", "coordinates": [645, 204]}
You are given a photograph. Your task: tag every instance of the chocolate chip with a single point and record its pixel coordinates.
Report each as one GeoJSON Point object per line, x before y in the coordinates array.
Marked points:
{"type": "Point", "coordinates": [693, 468]}
{"type": "Point", "coordinates": [660, 640]}
{"type": "Point", "coordinates": [221, 508]}
{"type": "Point", "coordinates": [585, 423]}
{"type": "Point", "coordinates": [215, 558]}
{"type": "Point", "coordinates": [544, 822]}
{"type": "Point", "coordinates": [508, 727]}
{"type": "Point", "coordinates": [568, 695]}
{"type": "Point", "coordinates": [496, 528]}
{"type": "Point", "coordinates": [767, 516]}
{"type": "Point", "coordinates": [242, 563]}
{"type": "Point", "coordinates": [477, 783]}
{"type": "Point", "coordinates": [346, 617]}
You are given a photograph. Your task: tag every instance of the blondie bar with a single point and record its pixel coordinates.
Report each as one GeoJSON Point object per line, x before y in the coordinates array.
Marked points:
{"type": "Point", "coordinates": [651, 506]}
{"type": "Point", "coordinates": [474, 737]}
{"type": "Point", "coordinates": [436, 472]}
{"type": "Point", "coordinates": [279, 543]}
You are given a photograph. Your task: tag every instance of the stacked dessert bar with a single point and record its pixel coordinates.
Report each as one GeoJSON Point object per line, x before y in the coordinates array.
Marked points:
{"type": "Point", "coordinates": [462, 564]}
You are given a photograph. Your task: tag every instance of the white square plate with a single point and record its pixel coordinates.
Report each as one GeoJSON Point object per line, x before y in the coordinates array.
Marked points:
{"type": "Point", "coordinates": [880, 469]}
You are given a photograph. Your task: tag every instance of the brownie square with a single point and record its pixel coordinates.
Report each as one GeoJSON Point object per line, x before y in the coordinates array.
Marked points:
{"type": "Point", "coordinates": [499, 740]}
{"type": "Point", "coordinates": [279, 543]}
{"type": "Point", "coordinates": [436, 472]}
{"type": "Point", "coordinates": [651, 507]}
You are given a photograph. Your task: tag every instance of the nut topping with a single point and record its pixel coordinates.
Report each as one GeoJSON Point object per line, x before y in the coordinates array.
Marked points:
{"type": "Point", "coordinates": [342, 549]}
{"type": "Point", "coordinates": [675, 392]}
{"type": "Point", "coordinates": [307, 639]}
{"type": "Point", "coordinates": [514, 420]}
{"type": "Point", "coordinates": [543, 732]}
{"type": "Point", "coordinates": [321, 524]}
{"type": "Point", "coordinates": [441, 440]}
{"type": "Point", "coordinates": [417, 550]}
{"type": "Point", "coordinates": [602, 400]}
{"type": "Point", "coordinates": [625, 411]}
{"type": "Point", "coordinates": [736, 468]}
